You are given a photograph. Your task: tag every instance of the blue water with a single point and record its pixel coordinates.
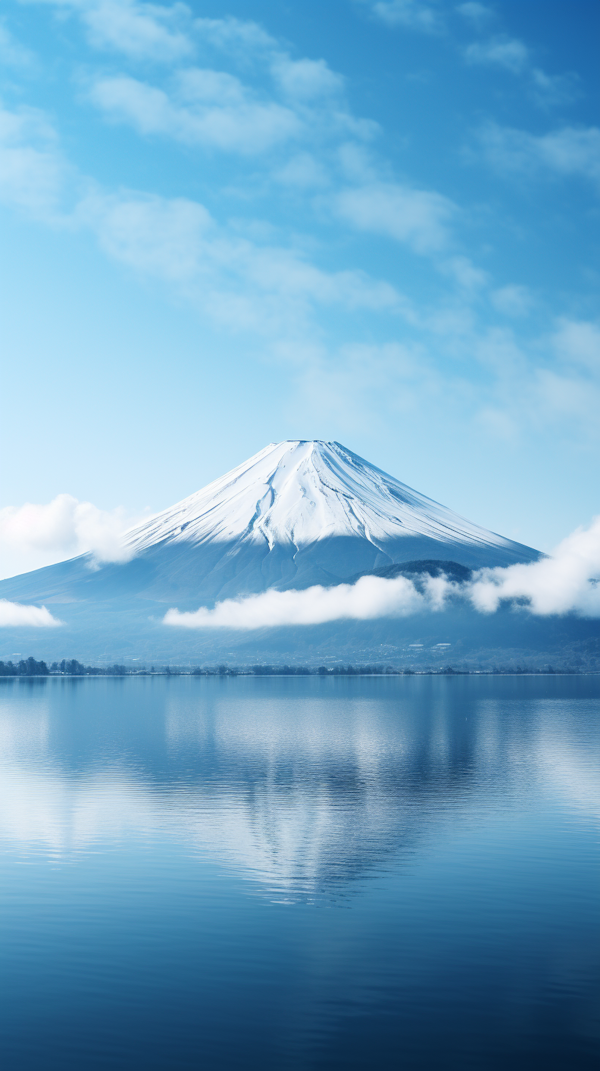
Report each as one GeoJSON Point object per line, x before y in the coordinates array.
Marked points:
{"type": "Point", "coordinates": [296, 873]}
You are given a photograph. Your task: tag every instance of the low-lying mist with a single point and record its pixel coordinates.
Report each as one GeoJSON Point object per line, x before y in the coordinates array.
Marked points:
{"type": "Point", "coordinates": [565, 582]}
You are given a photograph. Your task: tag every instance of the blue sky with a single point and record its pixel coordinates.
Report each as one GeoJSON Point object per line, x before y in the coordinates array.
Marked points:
{"type": "Point", "coordinates": [229, 224]}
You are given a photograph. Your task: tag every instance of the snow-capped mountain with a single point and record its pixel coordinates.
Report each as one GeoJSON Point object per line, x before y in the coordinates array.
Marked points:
{"type": "Point", "coordinates": [297, 493]}
{"type": "Point", "coordinates": [296, 514]}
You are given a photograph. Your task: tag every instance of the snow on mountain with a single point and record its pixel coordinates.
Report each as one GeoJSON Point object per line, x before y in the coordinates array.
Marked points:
{"type": "Point", "coordinates": [300, 492]}
{"type": "Point", "coordinates": [296, 515]}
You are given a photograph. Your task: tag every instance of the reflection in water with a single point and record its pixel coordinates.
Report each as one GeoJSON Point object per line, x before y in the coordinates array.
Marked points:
{"type": "Point", "coordinates": [302, 786]}
{"type": "Point", "coordinates": [299, 875]}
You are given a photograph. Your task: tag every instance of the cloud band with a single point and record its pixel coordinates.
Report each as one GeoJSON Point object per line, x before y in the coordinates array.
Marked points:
{"type": "Point", "coordinates": [564, 583]}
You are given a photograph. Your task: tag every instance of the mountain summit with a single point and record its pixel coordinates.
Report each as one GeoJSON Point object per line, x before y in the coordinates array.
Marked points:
{"type": "Point", "coordinates": [300, 492]}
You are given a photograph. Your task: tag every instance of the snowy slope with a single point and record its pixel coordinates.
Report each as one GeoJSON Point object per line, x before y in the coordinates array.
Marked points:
{"type": "Point", "coordinates": [297, 493]}
{"type": "Point", "coordinates": [295, 515]}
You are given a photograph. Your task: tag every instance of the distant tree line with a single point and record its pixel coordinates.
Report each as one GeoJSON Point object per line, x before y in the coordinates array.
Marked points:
{"type": "Point", "coordinates": [25, 668]}
{"type": "Point", "coordinates": [70, 667]}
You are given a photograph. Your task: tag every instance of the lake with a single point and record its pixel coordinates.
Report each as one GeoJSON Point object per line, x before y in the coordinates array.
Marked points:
{"type": "Point", "coordinates": [300, 873]}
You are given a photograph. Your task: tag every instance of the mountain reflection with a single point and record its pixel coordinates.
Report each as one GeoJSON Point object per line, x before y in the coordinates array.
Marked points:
{"type": "Point", "coordinates": [301, 786]}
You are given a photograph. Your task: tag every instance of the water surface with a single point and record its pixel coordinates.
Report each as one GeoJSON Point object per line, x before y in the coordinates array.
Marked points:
{"type": "Point", "coordinates": [299, 873]}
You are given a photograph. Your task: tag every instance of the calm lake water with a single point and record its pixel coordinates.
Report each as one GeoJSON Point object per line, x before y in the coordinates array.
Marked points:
{"type": "Point", "coordinates": [300, 873]}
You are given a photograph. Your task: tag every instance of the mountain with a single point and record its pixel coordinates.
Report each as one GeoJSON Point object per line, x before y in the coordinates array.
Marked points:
{"type": "Point", "coordinates": [297, 513]}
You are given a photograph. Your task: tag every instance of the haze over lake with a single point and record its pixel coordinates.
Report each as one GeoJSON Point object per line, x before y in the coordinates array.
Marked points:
{"type": "Point", "coordinates": [300, 873]}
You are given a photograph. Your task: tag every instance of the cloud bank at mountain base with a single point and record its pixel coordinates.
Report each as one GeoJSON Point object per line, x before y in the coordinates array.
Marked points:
{"type": "Point", "coordinates": [565, 582]}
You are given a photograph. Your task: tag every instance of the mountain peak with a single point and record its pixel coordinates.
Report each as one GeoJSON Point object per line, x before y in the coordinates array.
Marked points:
{"type": "Point", "coordinates": [302, 491]}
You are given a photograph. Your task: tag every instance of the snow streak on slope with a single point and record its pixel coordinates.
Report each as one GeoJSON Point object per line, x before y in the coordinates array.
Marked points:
{"type": "Point", "coordinates": [298, 492]}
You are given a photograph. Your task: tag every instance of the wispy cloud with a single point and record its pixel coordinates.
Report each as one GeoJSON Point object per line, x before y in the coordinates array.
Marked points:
{"type": "Point", "coordinates": [20, 615]}
{"type": "Point", "coordinates": [566, 582]}
{"type": "Point", "coordinates": [234, 279]}
{"type": "Point", "coordinates": [240, 37]}
{"type": "Point", "coordinates": [512, 300]}
{"type": "Point", "coordinates": [33, 174]}
{"type": "Point", "coordinates": [468, 277]}
{"type": "Point", "coordinates": [346, 384]}
{"type": "Point", "coordinates": [553, 89]}
{"type": "Point", "coordinates": [13, 53]}
{"type": "Point", "coordinates": [274, 282]}
{"type": "Point", "coordinates": [245, 281]}
{"type": "Point", "coordinates": [578, 342]}
{"type": "Point", "coordinates": [568, 151]}
{"type": "Point", "coordinates": [502, 51]}
{"type": "Point", "coordinates": [513, 55]}
{"type": "Point", "coordinates": [476, 13]}
{"type": "Point", "coordinates": [418, 217]}
{"type": "Point", "coordinates": [305, 79]}
{"type": "Point", "coordinates": [413, 14]}
{"type": "Point", "coordinates": [205, 107]}
{"type": "Point", "coordinates": [241, 281]}
{"type": "Point", "coordinates": [139, 30]}
{"type": "Point", "coordinates": [283, 99]}
{"type": "Point", "coordinates": [302, 171]}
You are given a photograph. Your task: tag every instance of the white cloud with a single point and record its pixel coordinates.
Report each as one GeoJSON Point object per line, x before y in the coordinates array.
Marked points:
{"type": "Point", "coordinates": [514, 56]}
{"type": "Point", "coordinates": [14, 54]}
{"type": "Point", "coordinates": [569, 151]}
{"type": "Point", "coordinates": [346, 384]}
{"type": "Point", "coordinates": [512, 300]}
{"type": "Point", "coordinates": [550, 89]}
{"type": "Point", "coordinates": [139, 30]}
{"type": "Point", "coordinates": [206, 107]}
{"type": "Point", "coordinates": [502, 51]}
{"type": "Point", "coordinates": [468, 277]}
{"type": "Point", "coordinates": [578, 342]}
{"type": "Point", "coordinates": [302, 171]}
{"type": "Point", "coordinates": [158, 236]}
{"type": "Point", "coordinates": [64, 526]}
{"type": "Point", "coordinates": [568, 389]}
{"type": "Point", "coordinates": [567, 397]}
{"type": "Point", "coordinates": [305, 79]}
{"type": "Point", "coordinates": [235, 35]}
{"type": "Point", "coordinates": [32, 172]}
{"type": "Point", "coordinates": [418, 217]}
{"type": "Point", "coordinates": [370, 597]}
{"type": "Point", "coordinates": [566, 582]}
{"type": "Point", "coordinates": [240, 282]}
{"type": "Point", "coordinates": [413, 14]}
{"type": "Point", "coordinates": [20, 615]}
{"type": "Point", "coordinates": [476, 13]}
{"type": "Point", "coordinates": [235, 280]}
